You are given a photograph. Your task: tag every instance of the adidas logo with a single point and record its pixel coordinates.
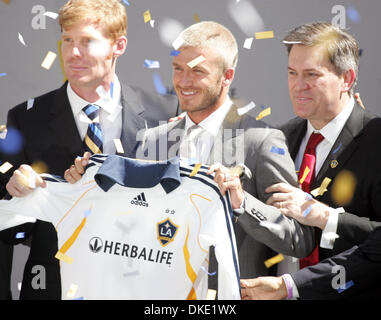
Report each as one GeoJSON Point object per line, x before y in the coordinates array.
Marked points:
{"type": "Point", "coordinates": [140, 200]}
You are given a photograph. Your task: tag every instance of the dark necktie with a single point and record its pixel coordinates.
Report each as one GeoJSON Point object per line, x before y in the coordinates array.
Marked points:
{"type": "Point", "coordinates": [93, 141]}
{"type": "Point", "coordinates": [306, 178]}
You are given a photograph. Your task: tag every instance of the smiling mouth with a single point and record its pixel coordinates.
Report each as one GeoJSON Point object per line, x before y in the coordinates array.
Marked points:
{"type": "Point", "coordinates": [187, 93]}
{"type": "Point", "coordinates": [302, 99]}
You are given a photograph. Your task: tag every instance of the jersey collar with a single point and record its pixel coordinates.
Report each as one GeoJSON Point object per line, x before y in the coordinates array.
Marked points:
{"type": "Point", "coordinates": [138, 174]}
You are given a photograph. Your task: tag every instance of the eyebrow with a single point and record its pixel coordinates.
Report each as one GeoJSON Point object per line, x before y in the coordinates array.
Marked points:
{"type": "Point", "coordinates": [304, 70]}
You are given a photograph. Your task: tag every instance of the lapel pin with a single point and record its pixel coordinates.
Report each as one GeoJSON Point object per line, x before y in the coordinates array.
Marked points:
{"type": "Point", "coordinates": [334, 164]}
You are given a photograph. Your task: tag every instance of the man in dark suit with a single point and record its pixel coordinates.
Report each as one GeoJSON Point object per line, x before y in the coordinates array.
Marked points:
{"type": "Point", "coordinates": [351, 131]}
{"type": "Point", "coordinates": [54, 125]}
{"type": "Point", "coordinates": [323, 64]}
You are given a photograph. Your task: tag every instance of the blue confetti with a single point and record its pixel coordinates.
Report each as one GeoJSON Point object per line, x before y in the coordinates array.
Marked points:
{"type": "Point", "coordinates": [126, 2]}
{"type": "Point", "coordinates": [277, 150]}
{"type": "Point", "coordinates": [337, 149]}
{"type": "Point", "coordinates": [347, 286]}
{"type": "Point", "coordinates": [159, 86]}
{"type": "Point", "coordinates": [209, 273]}
{"type": "Point", "coordinates": [111, 89]}
{"type": "Point", "coordinates": [307, 211]}
{"type": "Point", "coordinates": [12, 143]}
{"type": "Point", "coordinates": [174, 53]}
{"type": "Point", "coordinates": [353, 14]}
{"type": "Point", "coordinates": [151, 64]}
{"type": "Point", "coordinates": [3, 74]}
{"type": "Point", "coordinates": [308, 196]}
{"type": "Point", "coordinates": [20, 235]}
{"type": "Point", "coordinates": [87, 212]}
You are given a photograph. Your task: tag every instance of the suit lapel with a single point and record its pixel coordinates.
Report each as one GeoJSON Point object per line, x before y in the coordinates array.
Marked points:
{"type": "Point", "coordinates": [294, 134]}
{"type": "Point", "coordinates": [343, 147]}
{"type": "Point", "coordinates": [132, 120]}
{"type": "Point", "coordinates": [62, 123]}
{"type": "Point", "coordinates": [227, 131]}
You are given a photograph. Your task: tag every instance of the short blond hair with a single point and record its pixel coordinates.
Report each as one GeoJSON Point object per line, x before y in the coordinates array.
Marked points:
{"type": "Point", "coordinates": [110, 14]}
{"type": "Point", "coordinates": [210, 34]}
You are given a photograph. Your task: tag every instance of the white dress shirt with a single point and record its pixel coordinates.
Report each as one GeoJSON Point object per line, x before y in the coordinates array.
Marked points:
{"type": "Point", "coordinates": [207, 131]}
{"type": "Point", "coordinates": [110, 116]}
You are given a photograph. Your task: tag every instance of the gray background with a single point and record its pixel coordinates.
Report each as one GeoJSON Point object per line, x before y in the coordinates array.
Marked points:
{"type": "Point", "coordinates": [261, 75]}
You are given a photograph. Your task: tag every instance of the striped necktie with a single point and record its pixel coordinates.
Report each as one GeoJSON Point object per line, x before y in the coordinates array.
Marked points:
{"type": "Point", "coordinates": [93, 141]}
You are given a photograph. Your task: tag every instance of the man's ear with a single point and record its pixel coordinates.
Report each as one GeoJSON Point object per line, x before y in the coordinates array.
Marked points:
{"type": "Point", "coordinates": [228, 77]}
{"type": "Point", "coordinates": [349, 78]}
{"type": "Point", "coordinates": [120, 46]}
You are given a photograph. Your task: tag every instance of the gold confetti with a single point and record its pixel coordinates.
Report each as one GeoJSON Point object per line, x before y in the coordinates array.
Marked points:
{"type": "Point", "coordinates": [264, 35]}
{"type": "Point", "coordinates": [6, 1]}
{"type": "Point", "coordinates": [196, 17]}
{"type": "Point", "coordinates": [72, 291]}
{"type": "Point", "coordinates": [305, 174]}
{"type": "Point", "coordinates": [263, 113]}
{"type": "Point", "coordinates": [5, 167]}
{"type": "Point", "coordinates": [49, 59]}
{"type": "Point", "coordinates": [147, 16]}
{"type": "Point", "coordinates": [196, 61]}
{"type": "Point", "coordinates": [211, 294]}
{"type": "Point", "coordinates": [343, 188]}
{"type": "Point", "coordinates": [40, 167]}
{"type": "Point", "coordinates": [274, 260]}
{"type": "Point", "coordinates": [63, 257]}
{"type": "Point", "coordinates": [3, 131]}
{"type": "Point", "coordinates": [59, 45]}
{"type": "Point", "coordinates": [323, 187]}
{"type": "Point", "coordinates": [195, 169]}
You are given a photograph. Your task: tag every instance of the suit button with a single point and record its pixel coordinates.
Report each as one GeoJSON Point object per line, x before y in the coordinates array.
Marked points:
{"type": "Point", "coordinates": [258, 215]}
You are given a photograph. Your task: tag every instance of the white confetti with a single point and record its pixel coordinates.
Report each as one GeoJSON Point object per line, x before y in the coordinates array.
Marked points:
{"type": "Point", "coordinates": [49, 59]}
{"type": "Point", "coordinates": [247, 18]}
{"type": "Point", "coordinates": [248, 42]}
{"type": "Point", "coordinates": [169, 29]}
{"type": "Point", "coordinates": [29, 104]}
{"type": "Point", "coordinates": [118, 146]}
{"type": "Point", "coordinates": [21, 39]}
{"type": "Point", "coordinates": [246, 108]}
{"type": "Point", "coordinates": [50, 14]}
{"type": "Point", "coordinates": [177, 43]}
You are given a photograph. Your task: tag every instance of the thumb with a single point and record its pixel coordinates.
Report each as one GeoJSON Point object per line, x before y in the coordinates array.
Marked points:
{"type": "Point", "coordinates": [85, 158]}
{"type": "Point", "coordinates": [247, 283]}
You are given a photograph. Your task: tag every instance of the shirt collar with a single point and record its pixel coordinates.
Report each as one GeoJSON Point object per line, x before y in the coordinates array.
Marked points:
{"type": "Point", "coordinates": [77, 103]}
{"type": "Point", "coordinates": [138, 174]}
{"type": "Point", "coordinates": [333, 128]}
{"type": "Point", "coordinates": [213, 122]}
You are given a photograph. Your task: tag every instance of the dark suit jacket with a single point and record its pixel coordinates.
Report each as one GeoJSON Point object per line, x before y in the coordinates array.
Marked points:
{"type": "Point", "coordinates": [242, 139]}
{"type": "Point", "coordinates": [362, 265]}
{"type": "Point", "coordinates": [50, 135]}
{"type": "Point", "coordinates": [356, 149]}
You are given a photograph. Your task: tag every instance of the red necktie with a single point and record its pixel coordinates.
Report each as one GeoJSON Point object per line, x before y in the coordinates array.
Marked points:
{"type": "Point", "coordinates": [307, 171]}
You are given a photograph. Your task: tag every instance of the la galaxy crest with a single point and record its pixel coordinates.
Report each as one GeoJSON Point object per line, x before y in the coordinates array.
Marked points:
{"type": "Point", "coordinates": [166, 231]}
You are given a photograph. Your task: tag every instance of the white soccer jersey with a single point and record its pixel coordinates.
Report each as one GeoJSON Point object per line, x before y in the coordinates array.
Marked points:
{"type": "Point", "coordinates": [136, 230]}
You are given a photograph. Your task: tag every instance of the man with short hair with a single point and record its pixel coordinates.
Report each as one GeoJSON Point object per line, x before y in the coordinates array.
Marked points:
{"type": "Point", "coordinates": [215, 131]}
{"type": "Point", "coordinates": [322, 72]}
{"type": "Point", "coordinates": [59, 126]}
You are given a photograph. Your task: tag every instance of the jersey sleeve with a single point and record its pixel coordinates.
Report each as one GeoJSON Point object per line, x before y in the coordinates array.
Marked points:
{"type": "Point", "coordinates": [219, 229]}
{"type": "Point", "coordinates": [47, 204]}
